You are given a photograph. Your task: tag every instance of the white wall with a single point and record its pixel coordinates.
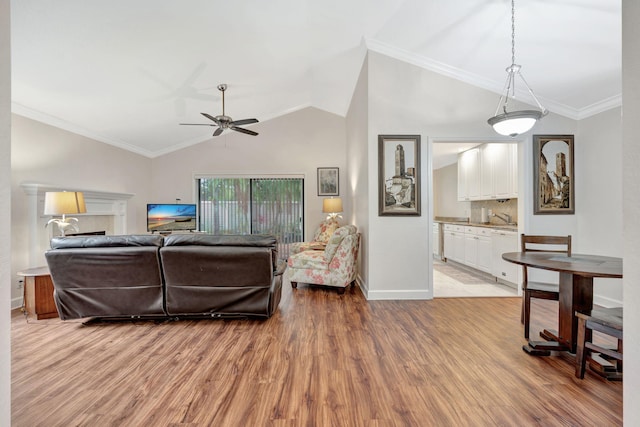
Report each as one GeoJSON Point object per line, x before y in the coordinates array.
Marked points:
{"type": "Point", "coordinates": [598, 153]}
{"type": "Point", "coordinates": [357, 160]}
{"type": "Point", "coordinates": [631, 205]}
{"type": "Point", "coordinates": [5, 215]}
{"type": "Point", "coordinates": [297, 143]}
{"type": "Point", "coordinates": [48, 155]}
{"type": "Point", "coordinates": [405, 99]}
{"type": "Point", "coordinates": [445, 193]}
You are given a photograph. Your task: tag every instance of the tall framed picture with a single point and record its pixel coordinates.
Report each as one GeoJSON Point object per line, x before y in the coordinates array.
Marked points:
{"type": "Point", "coordinates": [328, 181]}
{"type": "Point", "coordinates": [553, 175]}
{"type": "Point", "coordinates": [399, 175]}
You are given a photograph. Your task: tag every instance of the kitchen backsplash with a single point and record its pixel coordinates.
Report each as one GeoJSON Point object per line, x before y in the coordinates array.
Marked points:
{"type": "Point", "coordinates": [509, 207]}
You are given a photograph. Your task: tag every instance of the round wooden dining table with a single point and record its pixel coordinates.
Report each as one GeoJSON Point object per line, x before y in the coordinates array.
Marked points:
{"type": "Point", "coordinates": [576, 292]}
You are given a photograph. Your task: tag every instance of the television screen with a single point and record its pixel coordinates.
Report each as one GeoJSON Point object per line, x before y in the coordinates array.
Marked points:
{"type": "Point", "coordinates": [171, 217]}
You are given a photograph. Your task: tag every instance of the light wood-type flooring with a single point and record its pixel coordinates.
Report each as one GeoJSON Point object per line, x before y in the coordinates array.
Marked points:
{"type": "Point", "coordinates": [323, 360]}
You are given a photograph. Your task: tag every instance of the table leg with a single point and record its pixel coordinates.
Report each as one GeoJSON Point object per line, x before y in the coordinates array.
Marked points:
{"type": "Point", "coordinates": [576, 294]}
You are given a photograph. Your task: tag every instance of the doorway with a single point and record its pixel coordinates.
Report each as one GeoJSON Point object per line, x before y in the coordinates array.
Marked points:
{"type": "Point", "coordinates": [455, 279]}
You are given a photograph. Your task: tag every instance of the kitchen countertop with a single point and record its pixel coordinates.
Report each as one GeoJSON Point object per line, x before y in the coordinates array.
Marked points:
{"type": "Point", "coordinates": [465, 221]}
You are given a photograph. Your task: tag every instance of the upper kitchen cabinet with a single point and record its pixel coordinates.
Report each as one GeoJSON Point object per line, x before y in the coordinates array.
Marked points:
{"type": "Point", "coordinates": [469, 175]}
{"type": "Point", "coordinates": [489, 172]}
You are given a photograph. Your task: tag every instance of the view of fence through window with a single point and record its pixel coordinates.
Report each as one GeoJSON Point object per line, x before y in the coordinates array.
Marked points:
{"type": "Point", "coordinates": [253, 206]}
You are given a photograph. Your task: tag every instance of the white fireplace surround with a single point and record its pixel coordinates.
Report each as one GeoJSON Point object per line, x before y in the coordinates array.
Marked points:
{"type": "Point", "coordinates": [111, 206]}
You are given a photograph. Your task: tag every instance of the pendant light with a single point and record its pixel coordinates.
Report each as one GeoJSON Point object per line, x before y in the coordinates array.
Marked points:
{"type": "Point", "coordinates": [514, 123]}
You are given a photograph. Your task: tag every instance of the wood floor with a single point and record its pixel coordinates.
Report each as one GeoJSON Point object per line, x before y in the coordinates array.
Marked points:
{"type": "Point", "coordinates": [323, 360]}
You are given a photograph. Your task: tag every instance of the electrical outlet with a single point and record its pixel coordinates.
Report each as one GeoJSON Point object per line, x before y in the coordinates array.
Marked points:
{"type": "Point", "coordinates": [20, 284]}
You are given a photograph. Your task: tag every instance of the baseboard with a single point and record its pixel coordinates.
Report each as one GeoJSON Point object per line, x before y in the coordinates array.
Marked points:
{"type": "Point", "coordinates": [391, 295]}
{"type": "Point", "coordinates": [606, 302]}
{"type": "Point", "coordinates": [398, 295]}
{"type": "Point", "coordinates": [16, 303]}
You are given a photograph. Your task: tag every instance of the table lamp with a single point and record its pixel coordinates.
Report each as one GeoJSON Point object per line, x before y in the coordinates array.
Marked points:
{"type": "Point", "coordinates": [332, 207]}
{"type": "Point", "coordinates": [63, 203]}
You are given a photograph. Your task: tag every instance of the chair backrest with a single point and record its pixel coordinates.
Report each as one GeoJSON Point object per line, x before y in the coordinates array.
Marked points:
{"type": "Point", "coordinates": [531, 243]}
{"type": "Point", "coordinates": [336, 239]}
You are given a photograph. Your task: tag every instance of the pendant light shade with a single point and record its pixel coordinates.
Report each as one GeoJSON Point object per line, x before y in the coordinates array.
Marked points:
{"type": "Point", "coordinates": [514, 123]}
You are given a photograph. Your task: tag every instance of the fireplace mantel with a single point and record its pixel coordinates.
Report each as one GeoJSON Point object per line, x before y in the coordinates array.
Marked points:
{"type": "Point", "coordinates": [99, 203]}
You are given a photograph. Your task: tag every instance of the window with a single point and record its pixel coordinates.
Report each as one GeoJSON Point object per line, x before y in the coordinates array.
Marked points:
{"type": "Point", "coordinates": [253, 206]}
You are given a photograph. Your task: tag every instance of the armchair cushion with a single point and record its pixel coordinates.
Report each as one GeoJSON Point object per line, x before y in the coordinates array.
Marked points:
{"type": "Point", "coordinates": [320, 238]}
{"type": "Point", "coordinates": [326, 230]}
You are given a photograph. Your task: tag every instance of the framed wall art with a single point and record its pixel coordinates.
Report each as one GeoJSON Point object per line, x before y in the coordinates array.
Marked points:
{"type": "Point", "coordinates": [553, 175]}
{"type": "Point", "coordinates": [399, 175]}
{"type": "Point", "coordinates": [328, 181]}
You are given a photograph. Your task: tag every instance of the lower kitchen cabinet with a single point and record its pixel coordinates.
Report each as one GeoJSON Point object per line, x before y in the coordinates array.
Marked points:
{"type": "Point", "coordinates": [454, 242]}
{"type": "Point", "coordinates": [482, 248]}
{"type": "Point", "coordinates": [505, 241]}
{"type": "Point", "coordinates": [477, 248]}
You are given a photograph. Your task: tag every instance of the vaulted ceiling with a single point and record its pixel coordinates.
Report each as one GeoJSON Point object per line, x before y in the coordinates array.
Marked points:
{"type": "Point", "coordinates": [127, 72]}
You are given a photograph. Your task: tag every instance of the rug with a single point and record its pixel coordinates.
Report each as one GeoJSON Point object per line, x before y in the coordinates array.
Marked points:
{"type": "Point", "coordinates": [460, 274]}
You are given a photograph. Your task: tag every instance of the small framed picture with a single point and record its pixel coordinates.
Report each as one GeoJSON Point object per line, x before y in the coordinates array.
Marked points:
{"type": "Point", "coordinates": [553, 175]}
{"type": "Point", "coordinates": [328, 181]}
{"type": "Point", "coordinates": [399, 175]}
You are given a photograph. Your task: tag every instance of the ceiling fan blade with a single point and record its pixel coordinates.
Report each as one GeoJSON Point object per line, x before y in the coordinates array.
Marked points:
{"type": "Point", "coordinates": [243, 122]}
{"type": "Point", "coordinates": [198, 124]}
{"type": "Point", "coordinates": [247, 131]}
{"type": "Point", "coordinates": [218, 132]}
{"type": "Point", "coordinates": [210, 117]}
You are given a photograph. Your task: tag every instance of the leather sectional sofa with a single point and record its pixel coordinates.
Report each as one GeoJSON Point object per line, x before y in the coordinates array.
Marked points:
{"type": "Point", "coordinates": [180, 275]}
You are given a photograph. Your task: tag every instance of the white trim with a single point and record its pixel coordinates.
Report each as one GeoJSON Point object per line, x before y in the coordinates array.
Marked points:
{"type": "Point", "coordinates": [99, 203]}
{"type": "Point", "coordinates": [606, 302]}
{"type": "Point", "coordinates": [491, 85]}
{"type": "Point", "coordinates": [16, 303]}
{"type": "Point", "coordinates": [249, 176]}
{"type": "Point", "coordinates": [32, 114]}
{"type": "Point", "coordinates": [398, 295]}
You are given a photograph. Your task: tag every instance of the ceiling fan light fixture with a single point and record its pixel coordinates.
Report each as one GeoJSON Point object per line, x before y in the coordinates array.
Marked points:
{"type": "Point", "coordinates": [225, 122]}
{"type": "Point", "coordinates": [515, 123]}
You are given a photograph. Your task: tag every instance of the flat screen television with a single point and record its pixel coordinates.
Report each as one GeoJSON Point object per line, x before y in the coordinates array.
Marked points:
{"type": "Point", "coordinates": [171, 217]}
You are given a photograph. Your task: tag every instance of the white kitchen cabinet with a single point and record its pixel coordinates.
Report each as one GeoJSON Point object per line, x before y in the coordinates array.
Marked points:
{"type": "Point", "coordinates": [485, 258]}
{"type": "Point", "coordinates": [477, 249]}
{"type": "Point", "coordinates": [454, 242]}
{"type": "Point", "coordinates": [505, 241]}
{"type": "Point", "coordinates": [469, 175]}
{"type": "Point", "coordinates": [435, 239]}
{"type": "Point", "coordinates": [498, 171]}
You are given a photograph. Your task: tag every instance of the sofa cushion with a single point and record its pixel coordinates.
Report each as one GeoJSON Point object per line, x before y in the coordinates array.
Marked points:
{"type": "Point", "coordinates": [336, 239]}
{"type": "Point", "coordinates": [106, 241]}
{"type": "Point", "coordinates": [254, 240]}
{"type": "Point", "coordinates": [227, 240]}
{"type": "Point", "coordinates": [326, 230]}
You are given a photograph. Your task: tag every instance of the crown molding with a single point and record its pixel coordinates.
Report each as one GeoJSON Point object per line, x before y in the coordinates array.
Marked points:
{"type": "Point", "coordinates": [484, 83]}
{"type": "Point", "coordinates": [39, 116]}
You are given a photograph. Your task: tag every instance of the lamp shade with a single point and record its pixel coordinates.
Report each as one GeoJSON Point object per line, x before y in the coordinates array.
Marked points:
{"type": "Point", "coordinates": [332, 205]}
{"type": "Point", "coordinates": [64, 202]}
{"type": "Point", "coordinates": [515, 122]}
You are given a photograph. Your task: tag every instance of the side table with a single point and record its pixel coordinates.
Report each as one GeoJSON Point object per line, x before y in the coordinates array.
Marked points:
{"type": "Point", "coordinates": [38, 293]}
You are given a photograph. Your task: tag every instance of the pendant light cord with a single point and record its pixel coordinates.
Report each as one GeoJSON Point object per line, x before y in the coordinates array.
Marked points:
{"type": "Point", "coordinates": [513, 32]}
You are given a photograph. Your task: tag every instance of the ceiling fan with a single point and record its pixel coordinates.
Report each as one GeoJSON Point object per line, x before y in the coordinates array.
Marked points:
{"type": "Point", "coordinates": [225, 122]}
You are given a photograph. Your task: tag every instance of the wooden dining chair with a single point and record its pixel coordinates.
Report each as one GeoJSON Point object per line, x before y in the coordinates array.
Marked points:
{"type": "Point", "coordinates": [534, 289]}
{"type": "Point", "coordinates": [607, 321]}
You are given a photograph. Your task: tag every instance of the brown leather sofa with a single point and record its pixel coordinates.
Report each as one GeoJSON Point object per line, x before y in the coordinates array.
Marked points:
{"type": "Point", "coordinates": [180, 275]}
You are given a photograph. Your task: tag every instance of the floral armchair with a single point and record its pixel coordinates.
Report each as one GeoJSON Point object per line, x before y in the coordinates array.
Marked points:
{"type": "Point", "coordinates": [334, 266]}
{"type": "Point", "coordinates": [320, 238]}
